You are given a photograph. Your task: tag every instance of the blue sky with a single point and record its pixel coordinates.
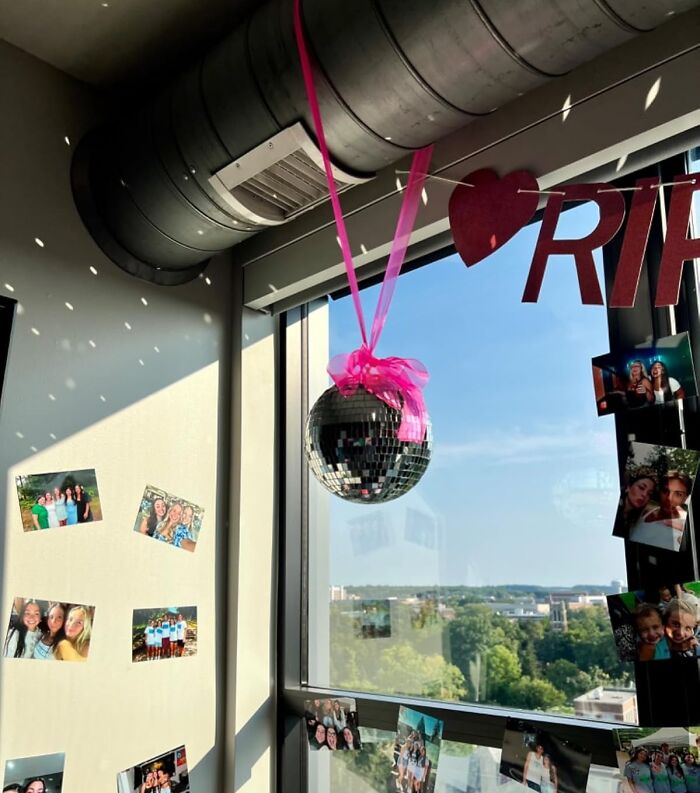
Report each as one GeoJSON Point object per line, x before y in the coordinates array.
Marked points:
{"type": "Point", "coordinates": [523, 482]}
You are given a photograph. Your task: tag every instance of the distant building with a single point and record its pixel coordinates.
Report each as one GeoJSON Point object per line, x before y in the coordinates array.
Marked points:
{"type": "Point", "coordinates": [557, 616]}
{"type": "Point", "coordinates": [617, 586]}
{"type": "Point", "coordinates": [608, 704]}
{"type": "Point", "coordinates": [520, 609]}
{"type": "Point", "coordinates": [338, 593]}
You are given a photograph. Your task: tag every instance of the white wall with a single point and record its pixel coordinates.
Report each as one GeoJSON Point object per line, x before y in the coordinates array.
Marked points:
{"type": "Point", "coordinates": [164, 421]}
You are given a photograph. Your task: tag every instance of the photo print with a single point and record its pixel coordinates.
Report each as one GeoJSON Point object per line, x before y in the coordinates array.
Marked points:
{"type": "Point", "coordinates": [541, 760]}
{"type": "Point", "coordinates": [49, 630]}
{"type": "Point", "coordinates": [40, 774]}
{"type": "Point", "coordinates": [63, 498]}
{"type": "Point", "coordinates": [653, 507]}
{"type": "Point", "coordinates": [167, 772]}
{"type": "Point", "coordinates": [648, 374]}
{"type": "Point", "coordinates": [332, 724]}
{"type": "Point", "coordinates": [416, 752]}
{"type": "Point", "coordinates": [658, 623]}
{"type": "Point", "coordinates": [167, 632]}
{"type": "Point", "coordinates": [373, 620]}
{"type": "Point", "coordinates": [657, 760]}
{"type": "Point", "coordinates": [169, 518]}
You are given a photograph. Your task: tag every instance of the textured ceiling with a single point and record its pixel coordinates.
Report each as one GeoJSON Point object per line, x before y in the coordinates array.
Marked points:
{"type": "Point", "coordinates": [118, 42]}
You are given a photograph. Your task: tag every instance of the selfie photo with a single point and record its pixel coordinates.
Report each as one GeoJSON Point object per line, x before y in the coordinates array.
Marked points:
{"type": "Point", "coordinates": [39, 774]}
{"type": "Point", "coordinates": [166, 773]}
{"type": "Point", "coordinates": [656, 624]}
{"type": "Point", "coordinates": [169, 518]}
{"type": "Point", "coordinates": [47, 630]}
{"type": "Point", "coordinates": [542, 761]}
{"type": "Point", "coordinates": [653, 506]}
{"type": "Point", "coordinates": [644, 376]}
{"type": "Point", "coordinates": [167, 632]}
{"type": "Point", "coordinates": [66, 498]}
{"type": "Point", "coordinates": [332, 724]}
{"type": "Point", "coordinates": [656, 760]}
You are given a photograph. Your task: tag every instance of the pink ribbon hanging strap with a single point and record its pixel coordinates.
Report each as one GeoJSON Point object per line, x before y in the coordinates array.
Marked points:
{"type": "Point", "coordinates": [396, 381]}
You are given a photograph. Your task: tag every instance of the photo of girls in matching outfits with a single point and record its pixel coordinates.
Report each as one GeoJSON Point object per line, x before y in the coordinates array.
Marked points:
{"type": "Point", "coordinates": [49, 630]}
{"type": "Point", "coordinates": [168, 518]}
{"type": "Point", "coordinates": [658, 761]}
{"type": "Point", "coordinates": [166, 773]}
{"type": "Point", "coordinates": [332, 724]}
{"type": "Point", "coordinates": [38, 774]}
{"type": "Point", "coordinates": [658, 481]}
{"type": "Point", "coordinates": [542, 761]}
{"type": "Point", "coordinates": [657, 624]}
{"type": "Point", "coordinates": [161, 633]}
{"type": "Point", "coordinates": [416, 752]}
{"type": "Point", "coordinates": [645, 375]}
{"type": "Point", "coordinates": [66, 498]}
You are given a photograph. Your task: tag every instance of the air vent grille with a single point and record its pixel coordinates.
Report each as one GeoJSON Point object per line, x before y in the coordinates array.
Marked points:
{"type": "Point", "coordinates": [279, 179]}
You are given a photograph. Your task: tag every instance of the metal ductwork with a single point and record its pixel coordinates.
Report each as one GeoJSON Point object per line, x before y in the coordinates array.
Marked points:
{"type": "Point", "coordinates": [224, 152]}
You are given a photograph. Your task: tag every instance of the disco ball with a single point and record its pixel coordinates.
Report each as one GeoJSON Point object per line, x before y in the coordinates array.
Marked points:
{"type": "Point", "coordinates": [353, 451]}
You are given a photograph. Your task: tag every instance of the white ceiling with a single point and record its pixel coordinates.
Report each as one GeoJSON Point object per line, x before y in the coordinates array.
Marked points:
{"type": "Point", "coordinates": [115, 42]}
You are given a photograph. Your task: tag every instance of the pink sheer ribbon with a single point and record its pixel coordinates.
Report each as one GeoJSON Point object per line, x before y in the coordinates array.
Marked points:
{"type": "Point", "coordinates": [396, 381]}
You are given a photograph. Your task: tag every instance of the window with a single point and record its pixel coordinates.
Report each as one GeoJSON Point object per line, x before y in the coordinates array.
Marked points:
{"type": "Point", "coordinates": [479, 594]}
{"type": "Point", "coordinates": [487, 582]}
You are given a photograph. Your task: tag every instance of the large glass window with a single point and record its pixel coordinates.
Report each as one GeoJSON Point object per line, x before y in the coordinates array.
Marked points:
{"type": "Point", "coordinates": [487, 582]}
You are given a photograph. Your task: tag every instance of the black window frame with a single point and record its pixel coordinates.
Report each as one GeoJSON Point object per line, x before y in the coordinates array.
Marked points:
{"type": "Point", "coordinates": [478, 724]}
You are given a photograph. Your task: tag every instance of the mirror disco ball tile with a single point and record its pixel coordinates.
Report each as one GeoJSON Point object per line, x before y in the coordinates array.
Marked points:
{"type": "Point", "coordinates": [352, 448]}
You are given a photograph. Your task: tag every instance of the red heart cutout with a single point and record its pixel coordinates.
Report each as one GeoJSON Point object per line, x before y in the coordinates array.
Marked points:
{"type": "Point", "coordinates": [487, 215]}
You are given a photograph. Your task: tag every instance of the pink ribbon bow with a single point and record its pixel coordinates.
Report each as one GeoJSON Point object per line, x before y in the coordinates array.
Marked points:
{"type": "Point", "coordinates": [396, 381]}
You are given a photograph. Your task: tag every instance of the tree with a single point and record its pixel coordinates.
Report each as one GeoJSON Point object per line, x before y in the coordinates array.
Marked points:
{"type": "Point", "coordinates": [502, 671]}
{"type": "Point", "coordinates": [402, 670]}
{"type": "Point", "coordinates": [568, 678]}
{"type": "Point", "coordinates": [530, 694]}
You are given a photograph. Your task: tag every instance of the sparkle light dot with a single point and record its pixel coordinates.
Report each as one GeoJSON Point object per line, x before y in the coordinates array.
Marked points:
{"type": "Point", "coordinates": [103, 398]}
{"type": "Point", "coordinates": [67, 140]}
{"type": "Point", "coordinates": [127, 326]}
{"type": "Point", "coordinates": [33, 448]}
{"type": "Point", "coordinates": [207, 281]}
{"type": "Point", "coordinates": [69, 306]}
{"type": "Point", "coordinates": [93, 270]}
{"type": "Point", "coordinates": [70, 383]}
{"type": "Point", "coordinates": [207, 318]}
{"type": "Point", "coordinates": [9, 287]}
{"type": "Point", "coordinates": [52, 436]}
{"type": "Point", "coordinates": [144, 301]}
{"type": "Point", "coordinates": [157, 349]}
{"type": "Point", "coordinates": [19, 434]}
{"type": "Point", "coordinates": [92, 343]}
{"type": "Point", "coordinates": [39, 242]}
{"type": "Point", "coordinates": [200, 232]}
{"type": "Point", "coordinates": [141, 362]}
{"type": "Point", "coordinates": [20, 309]}
{"type": "Point", "coordinates": [52, 397]}
{"type": "Point", "coordinates": [36, 332]}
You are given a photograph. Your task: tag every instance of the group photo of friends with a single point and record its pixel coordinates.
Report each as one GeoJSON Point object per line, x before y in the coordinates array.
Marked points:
{"type": "Point", "coordinates": [169, 518]}
{"type": "Point", "coordinates": [653, 506]}
{"type": "Point", "coordinates": [643, 376]}
{"type": "Point", "coordinates": [166, 773]}
{"type": "Point", "coordinates": [542, 761]}
{"type": "Point", "coordinates": [66, 498]}
{"type": "Point", "coordinates": [332, 724]}
{"type": "Point", "coordinates": [658, 623]}
{"type": "Point", "coordinates": [161, 633]}
{"type": "Point", "coordinates": [38, 774]}
{"type": "Point", "coordinates": [373, 621]}
{"type": "Point", "coordinates": [416, 752]}
{"type": "Point", "coordinates": [48, 630]}
{"type": "Point", "coordinates": [658, 760]}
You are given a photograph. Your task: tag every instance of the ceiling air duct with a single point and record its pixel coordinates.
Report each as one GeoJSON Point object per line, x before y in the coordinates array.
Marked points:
{"type": "Point", "coordinates": [224, 152]}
